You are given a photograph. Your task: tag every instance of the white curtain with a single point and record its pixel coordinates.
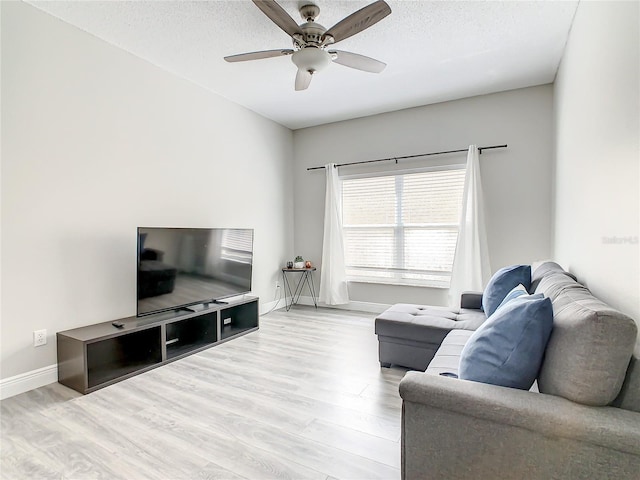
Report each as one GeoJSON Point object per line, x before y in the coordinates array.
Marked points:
{"type": "Point", "coordinates": [471, 269]}
{"type": "Point", "coordinates": [333, 280]}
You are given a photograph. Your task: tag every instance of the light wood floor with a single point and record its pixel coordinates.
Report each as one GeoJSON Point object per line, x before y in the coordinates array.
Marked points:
{"type": "Point", "coordinates": [302, 398]}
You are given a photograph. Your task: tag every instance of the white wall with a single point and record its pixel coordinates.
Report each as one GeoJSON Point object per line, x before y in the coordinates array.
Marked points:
{"type": "Point", "coordinates": [517, 180]}
{"type": "Point", "coordinates": [597, 204]}
{"type": "Point", "coordinates": [96, 142]}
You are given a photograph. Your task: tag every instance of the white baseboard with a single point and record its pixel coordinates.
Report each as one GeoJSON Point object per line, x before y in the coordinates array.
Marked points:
{"type": "Point", "coordinates": [271, 306]}
{"type": "Point", "coordinates": [28, 381]}
{"type": "Point", "coordinates": [306, 300]}
{"type": "Point", "coordinates": [358, 306]}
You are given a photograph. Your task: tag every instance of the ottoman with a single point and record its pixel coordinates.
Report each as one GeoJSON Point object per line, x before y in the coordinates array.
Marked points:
{"type": "Point", "coordinates": [409, 335]}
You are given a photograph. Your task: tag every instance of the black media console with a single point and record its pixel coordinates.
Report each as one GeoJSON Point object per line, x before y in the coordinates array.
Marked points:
{"type": "Point", "coordinates": [98, 355]}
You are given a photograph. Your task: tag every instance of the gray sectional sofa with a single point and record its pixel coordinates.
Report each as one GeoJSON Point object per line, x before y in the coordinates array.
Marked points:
{"type": "Point", "coordinates": [580, 420]}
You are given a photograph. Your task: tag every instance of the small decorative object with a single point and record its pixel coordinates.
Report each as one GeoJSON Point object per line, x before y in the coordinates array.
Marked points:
{"type": "Point", "coordinates": [289, 264]}
{"type": "Point", "coordinates": [307, 264]}
{"type": "Point", "coordinates": [298, 262]}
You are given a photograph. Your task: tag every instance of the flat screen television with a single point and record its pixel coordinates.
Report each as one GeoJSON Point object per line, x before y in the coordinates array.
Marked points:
{"type": "Point", "coordinates": [179, 267]}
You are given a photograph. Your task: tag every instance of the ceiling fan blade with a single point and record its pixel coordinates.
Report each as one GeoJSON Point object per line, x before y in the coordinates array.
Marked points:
{"type": "Point", "coordinates": [243, 57]}
{"type": "Point", "coordinates": [278, 16]}
{"type": "Point", "coordinates": [303, 79]}
{"type": "Point", "coordinates": [357, 61]}
{"type": "Point", "coordinates": [358, 21]}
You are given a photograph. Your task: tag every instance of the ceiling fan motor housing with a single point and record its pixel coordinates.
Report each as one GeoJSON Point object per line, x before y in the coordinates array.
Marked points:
{"type": "Point", "coordinates": [312, 33]}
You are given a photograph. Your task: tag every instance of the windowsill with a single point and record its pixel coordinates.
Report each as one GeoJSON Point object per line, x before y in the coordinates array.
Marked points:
{"type": "Point", "coordinates": [399, 284]}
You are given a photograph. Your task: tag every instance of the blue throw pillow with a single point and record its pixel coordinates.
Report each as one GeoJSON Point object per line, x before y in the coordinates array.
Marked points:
{"type": "Point", "coordinates": [508, 348]}
{"type": "Point", "coordinates": [516, 293]}
{"type": "Point", "coordinates": [501, 283]}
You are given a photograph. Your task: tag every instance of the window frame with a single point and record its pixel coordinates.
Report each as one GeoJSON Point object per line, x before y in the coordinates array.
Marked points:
{"type": "Point", "coordinates": [439, 279]}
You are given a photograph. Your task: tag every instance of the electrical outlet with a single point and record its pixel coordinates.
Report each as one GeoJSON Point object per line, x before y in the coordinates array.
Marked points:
{"type": "Point", "coordinates": [39, 338]}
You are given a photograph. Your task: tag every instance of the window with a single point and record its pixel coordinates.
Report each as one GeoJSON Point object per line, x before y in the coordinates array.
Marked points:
{"type": "Point", "coordinates": [237, 245]}
{"type": "Point", "coordinates": [402, 228]}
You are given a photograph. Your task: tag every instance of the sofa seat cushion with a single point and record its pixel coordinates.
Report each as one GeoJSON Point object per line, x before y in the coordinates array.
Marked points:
{"type": "Point", "coordinates": [590, 346]}
{"type": "Point", "coordinates": [447, 358]}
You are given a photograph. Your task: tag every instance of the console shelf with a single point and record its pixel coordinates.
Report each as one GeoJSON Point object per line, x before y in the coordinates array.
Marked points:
{"type": "Point", "coordinates": [98, 355]}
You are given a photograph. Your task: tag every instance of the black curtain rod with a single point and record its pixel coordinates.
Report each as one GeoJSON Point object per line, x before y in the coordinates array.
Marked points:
{"type": "Point", "coordinates": [411, 156]}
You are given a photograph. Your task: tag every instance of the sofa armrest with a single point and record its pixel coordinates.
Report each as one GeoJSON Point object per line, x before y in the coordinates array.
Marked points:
{"type": "Point", "coordinates": [454, 428]}
{"type": "Point", "coordinates": [472, 300]}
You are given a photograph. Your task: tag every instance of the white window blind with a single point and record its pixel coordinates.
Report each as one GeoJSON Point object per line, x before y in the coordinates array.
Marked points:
{"type": "Point", "coordinates": [402, 228]}
{"type": "Point", "coordinates": [237, 245]}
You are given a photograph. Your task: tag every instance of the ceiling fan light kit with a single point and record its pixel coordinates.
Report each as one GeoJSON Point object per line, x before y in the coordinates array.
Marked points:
{"type": "Point", "coordinates": [311, 40]}
{"type": "Point", "coordinates": [311, 59]}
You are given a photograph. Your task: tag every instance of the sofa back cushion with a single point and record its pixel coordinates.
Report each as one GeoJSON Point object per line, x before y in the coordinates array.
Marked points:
{"type": "Point", "coordinates": [590, 346]}
{"type": "Point", "coordinates": [539, 270]}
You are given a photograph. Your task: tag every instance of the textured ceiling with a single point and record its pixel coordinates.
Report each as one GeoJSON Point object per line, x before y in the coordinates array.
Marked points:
{"type": "Point", "coordinates": [435, 50]}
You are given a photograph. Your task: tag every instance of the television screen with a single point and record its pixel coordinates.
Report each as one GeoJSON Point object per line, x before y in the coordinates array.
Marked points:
{"type": "Point", "coordinates": [178, 267]}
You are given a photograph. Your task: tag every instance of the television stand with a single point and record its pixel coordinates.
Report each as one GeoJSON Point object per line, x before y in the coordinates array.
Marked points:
{"type": "Point", "coordinates": [98, 355]}
{"type": "Point", "coordinates": [219, 302]}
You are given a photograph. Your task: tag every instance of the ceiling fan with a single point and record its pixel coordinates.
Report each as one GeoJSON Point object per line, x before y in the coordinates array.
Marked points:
{"type": "Point", "coordinates": [311, 40]}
